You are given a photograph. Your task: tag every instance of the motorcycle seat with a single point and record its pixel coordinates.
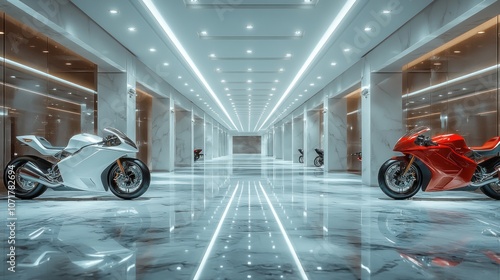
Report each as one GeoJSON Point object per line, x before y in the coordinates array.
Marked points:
{"type": "Point", "coordinates": [490, 147]}
{"type": "Point", "coordinates": [46, 144]}
{"type": "Point", "coordinates": [319, 151]}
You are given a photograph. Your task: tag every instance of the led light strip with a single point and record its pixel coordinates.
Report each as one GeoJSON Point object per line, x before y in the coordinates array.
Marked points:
{"type": "Point", "coordinates": [214, 237]}
{"type": "Point", "coordinates": [470, 75]}
{"type": "Point", "coordinates": [285, 235]}
{"type": "Point", "coordinates": [333, 26]}
{"type": "Point", "coordinates": [170, 34]}
{"type": "Point", "coordinates": [41, 73]}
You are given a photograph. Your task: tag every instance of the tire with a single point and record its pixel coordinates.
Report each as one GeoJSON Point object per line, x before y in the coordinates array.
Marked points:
{"type": "Point", "coordinates": [392, 185]}
{"type": "Point", "coordinates": [196, 157]}
{"type": "Point", "coordinates": [301, 159]}
{"type": "Point", "coordinates": [492, 190]}
{"type": "Point", "coordinates": [318, 161]}
{"type": "Point", "coordinates": [134, 184]}
{"type": "Point", "coordinates": [24, 189]}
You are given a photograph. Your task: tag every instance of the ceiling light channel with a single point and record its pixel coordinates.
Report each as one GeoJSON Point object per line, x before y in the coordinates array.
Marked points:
{"type": "Point", "coordinates": [170, 34]}
{"type": "Point", "coordinates": [331, 29]}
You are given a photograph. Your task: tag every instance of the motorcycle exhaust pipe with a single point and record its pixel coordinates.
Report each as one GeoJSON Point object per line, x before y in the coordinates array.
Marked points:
{"type": "Point", "coordinates": [31, 172]}
{"type": "Point", "coordinates": [483, 183]}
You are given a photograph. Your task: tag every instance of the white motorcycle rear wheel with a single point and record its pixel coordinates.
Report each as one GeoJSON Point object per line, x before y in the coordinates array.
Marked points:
{"type": "Point", "coordinates": [132, 184]}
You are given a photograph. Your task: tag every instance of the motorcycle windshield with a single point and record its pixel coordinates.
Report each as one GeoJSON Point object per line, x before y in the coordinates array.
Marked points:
{"type": "Point", "coordinates": [416, 131]}
{"type": "Point", "coordinates": [120, 135]}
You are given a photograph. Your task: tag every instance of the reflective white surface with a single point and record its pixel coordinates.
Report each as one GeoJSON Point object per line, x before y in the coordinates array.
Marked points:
{"type": "Point", "coordinates": [253, 217]}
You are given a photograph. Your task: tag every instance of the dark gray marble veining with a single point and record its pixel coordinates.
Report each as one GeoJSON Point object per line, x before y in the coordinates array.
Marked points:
{"type": "Point", "coordinates": [253, 217]}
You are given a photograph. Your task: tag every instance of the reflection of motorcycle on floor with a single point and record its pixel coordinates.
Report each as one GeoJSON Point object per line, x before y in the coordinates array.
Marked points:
{"type": "Point", "coordinates": [89, 162]}
{"type": "Point", "coordinates": [318, 161]}
{"type": "Point", "coordinates": [51, 251]}
{"type": "Point", "coordinates": [442, 163]}
{"type": "Point", "coordinates": [432, 240]}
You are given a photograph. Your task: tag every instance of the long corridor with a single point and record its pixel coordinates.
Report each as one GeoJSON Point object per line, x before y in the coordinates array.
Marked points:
{"type": "Point", "coordinates": [254, 217]}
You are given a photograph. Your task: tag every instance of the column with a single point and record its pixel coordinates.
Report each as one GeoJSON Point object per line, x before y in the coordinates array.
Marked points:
{"type": "Point", "coordinates": [209, 135]}
{"type": "Point", "coordinates": [161, 135]}
{"type": "Point", "coordinates": [297, 137]}
{"type": "Point", "coordinates": [198, 134]}
{"type": "Point", "coordinates": [336, 135]}
{"type": "Point", "coordinates": [183, 138]}
{"type": "Point", "coordinates": [115, 104]}
{"type": "Point", "coordinates": [287, 141]}
{"type": "Point", "coordinates": [215, 134]}
{"type": "Point", "coordinates": [382, 123]}
{"type": "Point", "coordinates": [270, 145]}
{"type": "Point", "coordinates": [311, 136]}
{"type": "Point", "coordinates": [278, 142]}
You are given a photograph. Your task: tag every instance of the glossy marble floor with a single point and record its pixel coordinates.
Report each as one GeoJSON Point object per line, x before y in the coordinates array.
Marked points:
{"type": "Point", "coordinates": [253, 217]}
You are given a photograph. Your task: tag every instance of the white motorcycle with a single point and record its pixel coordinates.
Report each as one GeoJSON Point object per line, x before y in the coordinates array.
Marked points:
{"type": "Point", "coordinates": [89, 162]}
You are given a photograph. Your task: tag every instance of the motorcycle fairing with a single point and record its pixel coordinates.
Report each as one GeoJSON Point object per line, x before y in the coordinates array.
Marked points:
{"type": "Point", "coordinates": [447, 163]}
{"type": "Point", "coordinates": [83, 169]}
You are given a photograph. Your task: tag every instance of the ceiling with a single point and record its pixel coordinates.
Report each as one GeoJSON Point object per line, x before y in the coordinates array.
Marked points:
{"type": "Point", "coordinates": [249, 63]}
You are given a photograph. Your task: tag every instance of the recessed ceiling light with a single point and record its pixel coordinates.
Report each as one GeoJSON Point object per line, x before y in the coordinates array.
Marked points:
{"type": "Point", "coordinates": [319, 77]}
{"type": "Point", "coordinates": [13, 77]}
{"type": "Point", "coordinates": [222, 81]}
{"type": "Point", "coordinates": [249, 26]}
{"type": "Point", "coordinates": [464, 88]}
{"type": "Point", "coordinates": [113, 11]}
{"type": "Point", "coordinates": [249, 81]}
{"type": "Point", "coordinates": [481, 32]}
{"type": "Point", "coordinates": [249, 69]}
{"type": "Point", "coordinates": [166, 64]}
{"type": "Point", "coordinates": [179, 77]}
{"type": "Point", "coordinates": [457, 51]}
{"type": "Point", "coordinates": [191, 90]}
{"type": "Point", "coordinates": [70, 93]}
{"type": "Point", "coordinates": [186, 84]}
{"type": "Point", "coordinates": [305, 90]}
{"type": "Point", "coordinates": [271, 94]}
{"type": "Point", "coordinates": [437, 63]}
{"type": "Point", "coordinates": [298, 32]}
{"type": "Point", "coordinates": [311, 84]}
{"type": "Point", "coordinates": [333, 63]}
{"type": "Point", "coordinates": [226, 89]}
{"type": "Point", "coordinates": [131, 28]}
{"type": "Point", "coordinates": [300, 95]}
{"type": "Point", "coordinates": [45, 51]}
{"type": "Point", "coordinates": [203, 33]}
{"type": "Point", "coordinates": [347, 49]}
{"type": "Point", "coordinates": [281, 70]}
{"type": "Point", "coordinates": [288, 55]}
{"type": "Point", "coordinates": [386, 12]}
{"type": "Point", "coordinates": [212, 55]}
{"type": "Point", "coordinates": [273, 89]}
{"type": "Point", "coordinates": [228, 94]}
{"type": "Point", "coordinates": [152, 49]}
{"type": "Point", "coordinates": [276, 81]}
{"type": "Point", "coordinates": [368, 28]}
{"type": "Point", "coordinates": [249, 51]}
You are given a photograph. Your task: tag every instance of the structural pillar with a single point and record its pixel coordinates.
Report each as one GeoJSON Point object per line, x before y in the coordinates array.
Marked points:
{"type": "Point", "coordinates": [336, 134]}
{"type": "Point", "coordinates": [311, 136]}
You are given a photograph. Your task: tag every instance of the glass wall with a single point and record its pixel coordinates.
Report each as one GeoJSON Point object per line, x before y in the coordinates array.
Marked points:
{"type": "Point", "coordinates": [144, 122]}
{"type": "Point", "coordinates": [353, 103]}
{"type": "Point", "coordinates": [48, 90]}
{"type": "Point", "coordinates": [454, 88]}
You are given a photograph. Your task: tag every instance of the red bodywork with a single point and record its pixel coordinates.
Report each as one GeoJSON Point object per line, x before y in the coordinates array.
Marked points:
{"type": "Point", "coordinates": [449, 166]}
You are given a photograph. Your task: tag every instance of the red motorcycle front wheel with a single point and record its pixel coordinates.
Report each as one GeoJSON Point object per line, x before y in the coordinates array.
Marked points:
{"type": "Point", "coordinates": [396, 185]}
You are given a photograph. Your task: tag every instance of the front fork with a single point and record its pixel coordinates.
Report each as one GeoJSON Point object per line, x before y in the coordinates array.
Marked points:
{"type": "Point", "coordinates": [412, 159]}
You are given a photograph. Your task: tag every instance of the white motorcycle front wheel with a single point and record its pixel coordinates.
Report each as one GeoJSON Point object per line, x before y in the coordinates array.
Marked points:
{"type": "Point", "coordinates": [132, 183]}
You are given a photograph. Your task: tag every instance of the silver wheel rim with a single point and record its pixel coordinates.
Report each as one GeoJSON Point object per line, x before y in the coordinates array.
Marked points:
{"type": "Point", "coordinates": [399, 184]}
{"type": "Point", "coordinates": [132, 181]}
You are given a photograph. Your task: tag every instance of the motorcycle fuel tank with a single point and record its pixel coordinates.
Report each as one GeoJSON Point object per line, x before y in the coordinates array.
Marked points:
{"type": "Point", "coordinates": [80, 140]}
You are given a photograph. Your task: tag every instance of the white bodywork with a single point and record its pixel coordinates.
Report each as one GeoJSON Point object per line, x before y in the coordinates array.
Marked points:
{"type": "Point", "coordinates": [83, 169]}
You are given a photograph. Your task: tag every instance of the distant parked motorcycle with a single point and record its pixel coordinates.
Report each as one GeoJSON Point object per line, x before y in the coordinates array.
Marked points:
{"type": "Point", "coordinates": [357, 155]}
{"type": "Point", "coordinates": [89, 162]}
{"type": "Point", "coordinates": [301, 157]}
{"type": "Point", "coordinates": [442, 163]}
{"type": "Point", "coordinates": [197, 154]}
{"type": "Point", "coordinates": [318, 161]}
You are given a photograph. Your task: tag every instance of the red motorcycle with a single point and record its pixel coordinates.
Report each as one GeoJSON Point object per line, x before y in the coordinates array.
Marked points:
{"type": "Point", "coordinates": [442, 163]}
